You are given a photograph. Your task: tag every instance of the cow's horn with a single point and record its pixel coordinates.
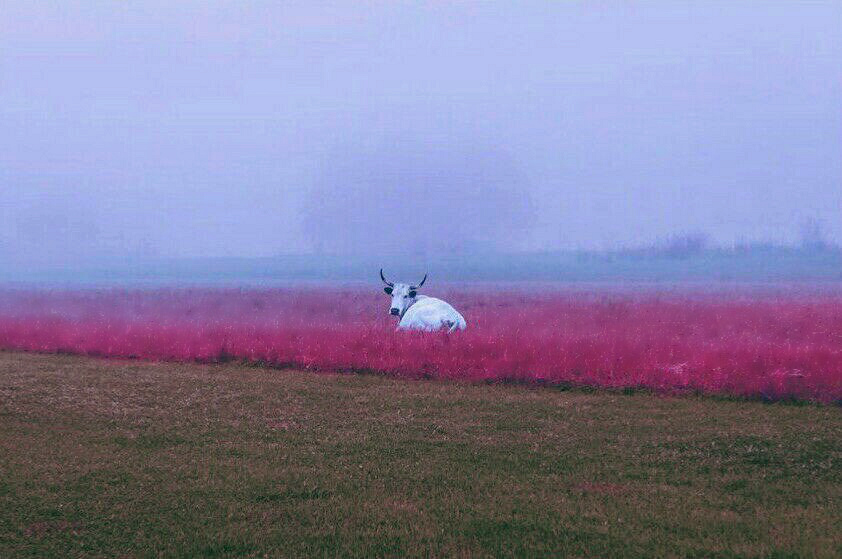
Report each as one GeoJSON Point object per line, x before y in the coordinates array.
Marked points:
{"type": "Point", "coordinates": [420, 284]}
{"type": "Point", "coordinates": [387, 282]}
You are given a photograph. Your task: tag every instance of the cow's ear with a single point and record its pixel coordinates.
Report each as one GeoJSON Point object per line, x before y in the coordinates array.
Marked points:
{"type": "Point", "coordinates": [388, 290]}
{"type": "Point", "coordinates": [413, 293]}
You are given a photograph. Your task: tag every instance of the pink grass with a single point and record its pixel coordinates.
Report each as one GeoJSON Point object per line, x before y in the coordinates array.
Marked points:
{"type": "Point", "coordinates": [765, 346]}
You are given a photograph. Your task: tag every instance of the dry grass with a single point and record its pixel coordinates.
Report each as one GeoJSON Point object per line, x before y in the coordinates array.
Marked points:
{"type": "Point", "coordinates": [105, 458]}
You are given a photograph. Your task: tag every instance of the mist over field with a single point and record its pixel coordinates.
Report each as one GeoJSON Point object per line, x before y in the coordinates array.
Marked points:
{"type": "Point", "coordinates": [420, 279]}
{"type": "Point", "coordinates": [273, 141]}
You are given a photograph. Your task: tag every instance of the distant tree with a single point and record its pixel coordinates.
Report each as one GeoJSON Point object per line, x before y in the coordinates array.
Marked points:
{"type": "Point", "coordinates": [683, 245]}
{"type": "Point", "coordinates": [418, 199]}
{"type": "Point", "coordinates": [813, 234]}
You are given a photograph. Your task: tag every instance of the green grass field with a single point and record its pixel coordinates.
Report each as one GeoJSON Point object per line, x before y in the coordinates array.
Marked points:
{"type": "Point", "coordinates": [107, 458]}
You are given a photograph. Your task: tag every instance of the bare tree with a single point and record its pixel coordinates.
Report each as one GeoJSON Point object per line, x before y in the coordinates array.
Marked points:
{"type": "Point", "coordinates": [813, 234]}
{"type": "Point", "coordinates": [683, 245]}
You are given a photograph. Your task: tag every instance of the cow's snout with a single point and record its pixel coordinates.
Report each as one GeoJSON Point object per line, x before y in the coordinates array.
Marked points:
{"type": "Point", "coordinates": [394, 311]}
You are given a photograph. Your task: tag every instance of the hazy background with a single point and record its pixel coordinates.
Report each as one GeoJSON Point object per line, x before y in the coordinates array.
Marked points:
{"type": "Point", "coordinates": [138, 132]}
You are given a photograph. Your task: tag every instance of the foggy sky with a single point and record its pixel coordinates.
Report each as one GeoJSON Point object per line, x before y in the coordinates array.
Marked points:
{"type": "Point", "coordinates": [194, 129]}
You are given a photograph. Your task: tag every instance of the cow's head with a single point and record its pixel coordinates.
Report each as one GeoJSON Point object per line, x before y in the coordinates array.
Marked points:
{"type": "Point", "coordinates": [403, 294]}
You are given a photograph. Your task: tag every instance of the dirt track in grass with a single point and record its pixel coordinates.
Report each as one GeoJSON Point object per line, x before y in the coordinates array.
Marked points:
{"type": "Point", "coordinates": [118, 458]}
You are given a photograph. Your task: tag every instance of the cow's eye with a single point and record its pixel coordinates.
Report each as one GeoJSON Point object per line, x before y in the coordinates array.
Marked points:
{"type": "Point", "coordinates": [411, 294]}
{"type": "Point", "coordinates": [388, 290]}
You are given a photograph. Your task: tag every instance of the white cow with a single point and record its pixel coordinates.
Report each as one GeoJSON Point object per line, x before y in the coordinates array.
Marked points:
{"type": "Point", "coordinates": [419, 312]}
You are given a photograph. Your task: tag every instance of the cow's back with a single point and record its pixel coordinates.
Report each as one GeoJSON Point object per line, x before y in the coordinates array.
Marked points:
{"type": "Point", "coordinates": [430, 314]}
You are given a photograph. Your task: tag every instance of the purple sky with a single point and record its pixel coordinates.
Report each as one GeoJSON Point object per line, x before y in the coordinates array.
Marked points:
{"type": "Point", "coordinates": [202, 129]}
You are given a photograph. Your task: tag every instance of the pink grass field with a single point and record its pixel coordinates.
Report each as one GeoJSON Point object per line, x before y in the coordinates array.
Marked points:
{"type": "Point", "coordinates": [769, 345]}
